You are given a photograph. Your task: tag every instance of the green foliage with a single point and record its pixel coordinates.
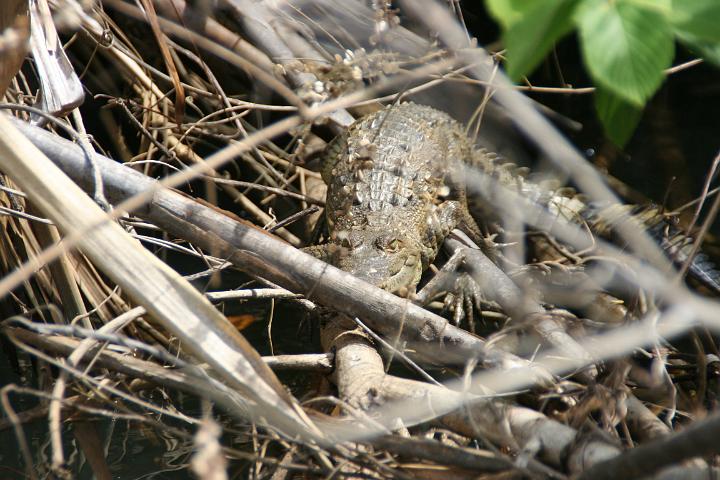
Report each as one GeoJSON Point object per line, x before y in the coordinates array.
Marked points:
{"type": "Point", "coordinates": [508, 12]}
{"type": "Point", "coordinates": [619, 116]}
{"type": "Point", "coordinates": [698, 18]}
{"type": "Point", "coordinates": [710, 51]}
{"type": "Point", "coordinates": [626, 45]}
{"type": "Point", "coordinates": [532, 32]}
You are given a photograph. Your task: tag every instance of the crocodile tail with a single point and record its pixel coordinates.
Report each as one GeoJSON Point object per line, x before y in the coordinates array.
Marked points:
{"type": "Point", "coordinates": [501, 175]}
{"type": "Point", "coordinates": [678, 247]}
{"type": "Point", "coordinates": [661, 228]}
{"type": "Point", "coordinates": [603, 219]}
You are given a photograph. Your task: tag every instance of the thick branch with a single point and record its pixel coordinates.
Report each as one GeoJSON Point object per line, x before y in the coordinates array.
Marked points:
{"type": "Point", "coordinates": [259, 253]}
{"type": "Point", "coordinates": [697, 440]}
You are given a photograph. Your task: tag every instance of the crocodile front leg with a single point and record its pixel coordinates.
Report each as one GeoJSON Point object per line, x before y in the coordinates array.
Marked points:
{"type": "Point", "coordinates": [450, 215]}
{"type": "Point", "coordinates": [461, 292]}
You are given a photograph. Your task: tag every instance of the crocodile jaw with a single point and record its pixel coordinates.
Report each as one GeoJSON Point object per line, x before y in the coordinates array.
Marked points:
{"type": "Point", "coordinates": [397, 273]}
{"type": "Point", "coordinates": [387, 260]}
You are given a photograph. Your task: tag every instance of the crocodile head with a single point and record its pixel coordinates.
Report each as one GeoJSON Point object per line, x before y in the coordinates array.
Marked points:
{"type": "Point", "coordinates": [387, 257]}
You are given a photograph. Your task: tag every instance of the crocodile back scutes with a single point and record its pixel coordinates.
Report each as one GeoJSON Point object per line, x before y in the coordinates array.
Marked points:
{"type": "Point", "coordinates": [393, 159]}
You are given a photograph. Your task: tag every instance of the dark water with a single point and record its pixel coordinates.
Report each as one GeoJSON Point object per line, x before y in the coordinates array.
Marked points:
{"type": "Point", "coordinates": [137, 450]}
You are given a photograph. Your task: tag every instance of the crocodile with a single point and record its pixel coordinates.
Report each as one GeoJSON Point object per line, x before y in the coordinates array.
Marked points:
{"type": "Point", "coordinates": [394, 193]}
{"type": "Point", "coordinates": [396, 188]}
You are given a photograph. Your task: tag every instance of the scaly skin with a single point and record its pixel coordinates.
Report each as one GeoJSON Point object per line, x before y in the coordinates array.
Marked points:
{"type": "Point", "coordinates": [566, 204]}
{"type": "Point", "coordinates": [385, 177]}
{"type": "Point", "coordinates": [396, 189]}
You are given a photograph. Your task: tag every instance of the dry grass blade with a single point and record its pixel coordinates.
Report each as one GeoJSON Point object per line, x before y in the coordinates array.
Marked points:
{"type": "Point", "coordinates": [150, 282]}
{"type": "Point", "coordinates": [220, 139]}
{"type": "Point", "coordinates": [167, 58]}
{"type": "Point", "coordinates": [60, 88]}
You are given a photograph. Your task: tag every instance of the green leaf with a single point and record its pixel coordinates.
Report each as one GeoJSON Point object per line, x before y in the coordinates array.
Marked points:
{"type": "Point", "coordinates": [665, 6]}
{"type": "Point", "coordinates": [626, 47]}
{"type": "Point", "coordinates": [507, 12]}
{"type": "Point", "coordinates": [700, 18]}
{"type": "Point", "coordinates": [619, 117]}
{"type": "Point", "coordinates": [531, 28]}
{"type": "Point", "coordinates": [709, 51]}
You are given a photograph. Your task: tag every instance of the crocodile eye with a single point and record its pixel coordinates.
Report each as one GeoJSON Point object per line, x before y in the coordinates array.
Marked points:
{"type": "Point", "coordinates": [390, 245]}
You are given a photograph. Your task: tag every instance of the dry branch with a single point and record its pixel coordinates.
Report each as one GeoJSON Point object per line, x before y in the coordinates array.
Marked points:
{"type": "Point", "coordinates": [577, 426]}
{"type": "Point", "coordinates": [696, 440]}
{"type": "Point", "coordinates": [260, 254]}
{"type": "Point", "coordinates": [151, 283]}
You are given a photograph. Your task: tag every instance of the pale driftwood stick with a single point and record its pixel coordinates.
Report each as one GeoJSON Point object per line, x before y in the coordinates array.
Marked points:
{"type": "Point", "coordinates": [251, 294]}
{"type": "Point", "coordinates": [260, 254]}
{"type": "Point", "coordinates": [315, 362]}
{"type": "Point", "coordinates": [362, 381]}
{"type": "Point", "coordinates": [519, 428]}
{"type": "Point", "coordinates": [359, 370]}
{"type": "Point", "coordinates": [644, 424]}
{"type": "Point", "coordinates": [170, 299]}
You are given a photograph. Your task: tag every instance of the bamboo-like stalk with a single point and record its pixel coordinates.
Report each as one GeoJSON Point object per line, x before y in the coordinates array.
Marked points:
{"type": "Point", "coordinates": [173, 302]}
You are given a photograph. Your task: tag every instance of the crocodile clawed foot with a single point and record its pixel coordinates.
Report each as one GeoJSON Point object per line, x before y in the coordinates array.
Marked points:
{"type": "Point", "coordinates": [462, 293]}
{"type": "Point", "coordinates": [462, 299]}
